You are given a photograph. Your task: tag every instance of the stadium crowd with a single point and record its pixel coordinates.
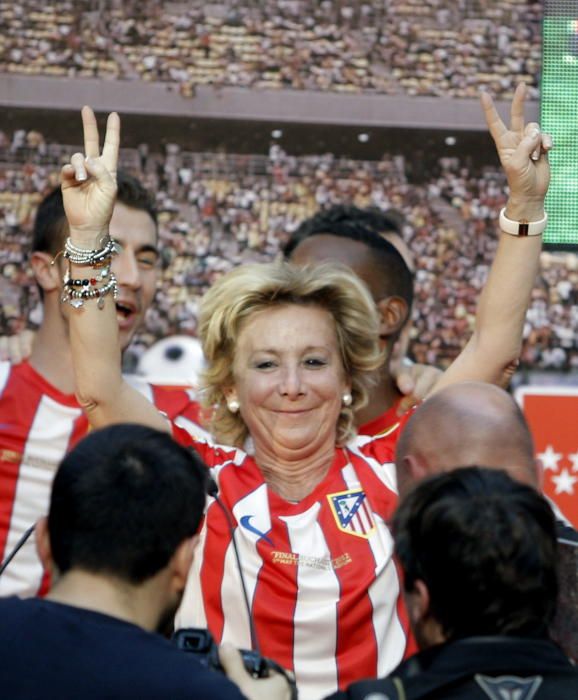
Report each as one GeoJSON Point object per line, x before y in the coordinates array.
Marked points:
{"type": "Point", "coordinates": [397, 47]}
{"type": "Point", "coordinates": [218, 211]}
{"type": "Point", "coordinates": [426, 576]}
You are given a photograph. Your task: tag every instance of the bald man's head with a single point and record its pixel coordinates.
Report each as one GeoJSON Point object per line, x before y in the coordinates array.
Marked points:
{"type": "Point", "coordinates": [466, 424]}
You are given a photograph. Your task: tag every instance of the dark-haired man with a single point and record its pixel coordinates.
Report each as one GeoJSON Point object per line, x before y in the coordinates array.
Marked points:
{"type": "Point", "coordinates": [478, 551]}
{"type": "Point", "coordinates": [121, 530]}
{"type": "Point", "coordinates": [40, 418]}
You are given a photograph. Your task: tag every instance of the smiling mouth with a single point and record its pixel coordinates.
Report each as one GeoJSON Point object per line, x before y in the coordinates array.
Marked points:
{"type": "Point", "coordinates": [294, 413]}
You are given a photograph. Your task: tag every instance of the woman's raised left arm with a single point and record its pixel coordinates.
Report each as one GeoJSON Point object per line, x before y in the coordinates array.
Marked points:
{"type": "Point", "coordinates": [496, 343]}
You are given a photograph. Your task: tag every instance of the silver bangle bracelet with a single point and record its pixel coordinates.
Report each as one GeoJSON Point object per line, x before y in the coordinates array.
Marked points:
{"type": "Point", "coordinates": [92, 257]}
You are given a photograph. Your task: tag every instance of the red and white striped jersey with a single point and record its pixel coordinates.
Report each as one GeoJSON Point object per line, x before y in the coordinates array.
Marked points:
{"type": "Point", "coordinates": [38, 425]}
{"type": "Point", "coordinates": [387, 422]}
{"type": "Point", "coordinates": [323, 584]}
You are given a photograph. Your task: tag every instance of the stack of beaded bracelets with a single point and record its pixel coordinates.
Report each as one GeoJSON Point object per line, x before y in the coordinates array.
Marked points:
{"type": "Point", "coordinates": [77, 291]}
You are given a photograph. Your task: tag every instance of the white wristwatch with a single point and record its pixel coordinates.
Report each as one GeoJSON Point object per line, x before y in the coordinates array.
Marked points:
{"type": "Point", "coordinates": [523, 227]}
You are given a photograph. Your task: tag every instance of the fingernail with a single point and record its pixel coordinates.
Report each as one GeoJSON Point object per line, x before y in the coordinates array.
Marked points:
{"type": "Point", "coordinates": [535, 155]}
{"type": "Point", "coordinates": [534, 133]}
{"type": "Point", "coordinates": [81, 176]}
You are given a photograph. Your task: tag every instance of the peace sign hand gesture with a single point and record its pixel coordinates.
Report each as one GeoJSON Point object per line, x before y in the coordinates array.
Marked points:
{"type": "Point", "coordinates": [89, 183]}
{"type": "Point", "coordinates": [522, 150]}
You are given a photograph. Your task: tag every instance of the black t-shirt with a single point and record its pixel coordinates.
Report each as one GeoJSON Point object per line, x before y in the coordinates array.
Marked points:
{"type": "Point", "coordinates": [49, 650]}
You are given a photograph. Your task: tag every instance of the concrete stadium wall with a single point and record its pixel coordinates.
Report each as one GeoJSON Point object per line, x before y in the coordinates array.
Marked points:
{"type": "Point", "coordinates": [288, 106]}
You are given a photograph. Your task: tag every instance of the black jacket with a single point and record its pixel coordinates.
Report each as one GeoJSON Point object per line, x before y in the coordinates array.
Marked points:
{"type": "Point", "coordinates": [477, 668]}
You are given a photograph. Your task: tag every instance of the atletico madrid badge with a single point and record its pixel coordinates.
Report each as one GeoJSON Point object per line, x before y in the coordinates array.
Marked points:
{"type": "Point", "coordinates": [352, 513]}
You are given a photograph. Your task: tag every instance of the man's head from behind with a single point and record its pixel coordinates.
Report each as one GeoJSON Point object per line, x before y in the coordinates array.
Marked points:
{"type": "Point", "coordinates": [133, 225]}
{"type": "Point", "coordinates": [123, 501]}
{"type": "Point", "coordinates": [465, 424]}
{"type": "Point", "coordinates": [478, 551]}
{"type": "Point", "coordinates": [353, 237]}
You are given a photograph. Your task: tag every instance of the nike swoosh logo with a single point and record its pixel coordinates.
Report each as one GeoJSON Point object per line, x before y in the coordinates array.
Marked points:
{"type": "Point", "coordinates": [246, 523]}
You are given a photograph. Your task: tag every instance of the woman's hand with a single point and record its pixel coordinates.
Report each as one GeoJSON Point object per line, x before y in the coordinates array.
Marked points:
{"type": "Point", "coordinates": [89, 183]}
{"type": "Point", "coordinates": [522, 150]}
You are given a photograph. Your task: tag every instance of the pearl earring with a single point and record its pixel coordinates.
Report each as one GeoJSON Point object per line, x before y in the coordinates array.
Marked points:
{"type": "Point", "coordinates": [233, 405]}
{"type": "Point", "coordinates": [347, 399]}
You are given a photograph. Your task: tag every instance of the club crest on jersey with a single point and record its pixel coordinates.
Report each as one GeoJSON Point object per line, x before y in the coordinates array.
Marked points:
{"type": "Point", "coordinates": [352, 513]}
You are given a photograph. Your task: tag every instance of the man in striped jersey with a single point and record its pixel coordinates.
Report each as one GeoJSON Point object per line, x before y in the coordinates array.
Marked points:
{"type": "Point", "coordinates": [40, 418]}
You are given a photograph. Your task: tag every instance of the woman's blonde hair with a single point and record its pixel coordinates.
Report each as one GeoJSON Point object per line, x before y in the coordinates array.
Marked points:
{"type": "Point", "coordinates": [249, 289]}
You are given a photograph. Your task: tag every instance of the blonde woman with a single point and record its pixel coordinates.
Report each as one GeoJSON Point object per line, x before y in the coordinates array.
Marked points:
{"type": "Point", "coordinates": [289, 356]}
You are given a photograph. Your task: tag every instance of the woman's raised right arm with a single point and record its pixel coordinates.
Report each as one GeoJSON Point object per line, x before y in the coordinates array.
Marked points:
{"type": "Point", "coordinates": [89, 194]}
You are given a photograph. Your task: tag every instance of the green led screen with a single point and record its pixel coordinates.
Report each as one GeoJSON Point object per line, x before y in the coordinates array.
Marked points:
{"type": "Point", "coordinates": [559, 117]}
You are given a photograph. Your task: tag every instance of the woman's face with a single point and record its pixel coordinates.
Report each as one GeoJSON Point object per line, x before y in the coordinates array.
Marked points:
{"type": "Point", "coordinates": [289, 379]}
